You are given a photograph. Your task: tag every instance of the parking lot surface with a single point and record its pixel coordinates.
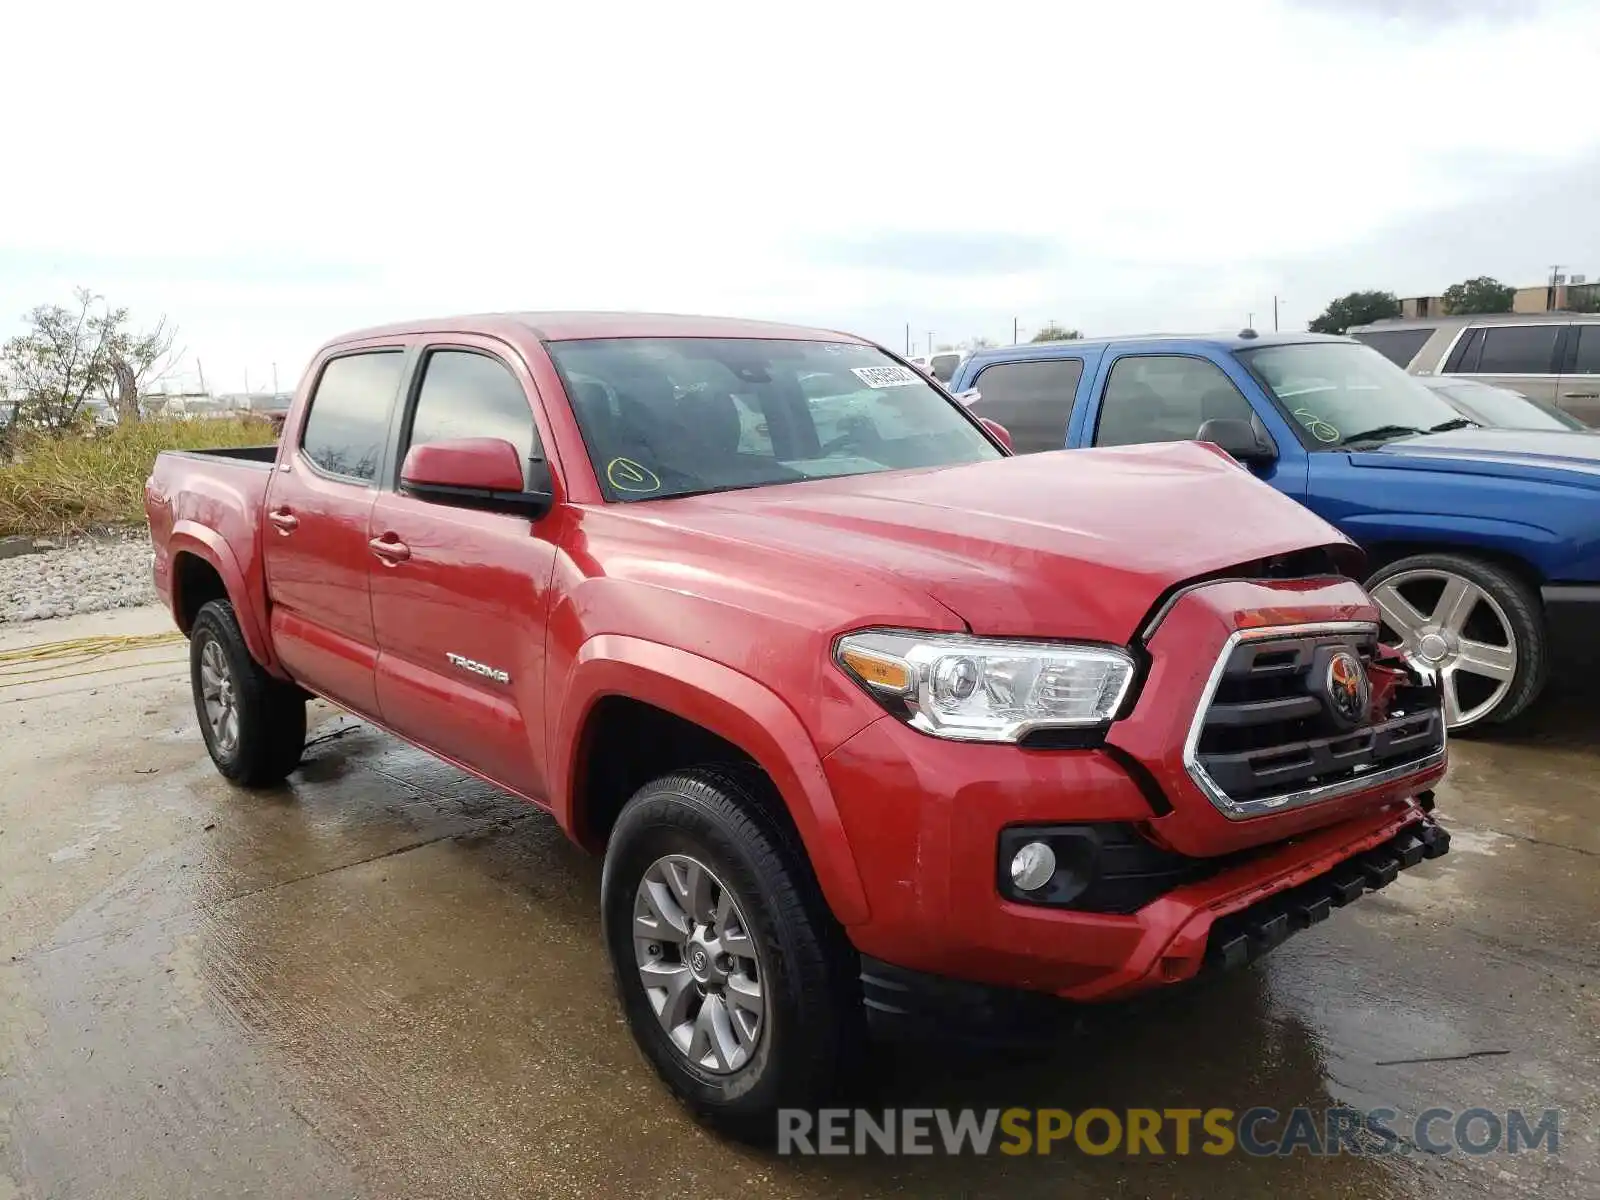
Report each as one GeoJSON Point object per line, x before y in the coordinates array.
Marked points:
{"type": "Point", "coordinates": [386, 980]}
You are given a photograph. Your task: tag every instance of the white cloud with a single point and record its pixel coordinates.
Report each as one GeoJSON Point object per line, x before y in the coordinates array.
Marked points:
{"type": "Point", "coordinates": [273, 180]}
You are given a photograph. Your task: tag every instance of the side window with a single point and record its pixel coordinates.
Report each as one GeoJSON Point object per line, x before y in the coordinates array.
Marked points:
{"type": "Point", "coordinates": [1463, 359]}
{"type": "Point", "coordinates": [1165, 398]}
{"type": "Point", "coordinates": [1399, 346]}
{"type": "Point", "coordinates": [1588, 360]}
{"type": "Point", "coordinates": [1518, 349]}
{"type": "Point", "coordinates": [349, 418]}
{"type": "Point", "coordinates": [470, 395]}
{"type": "Point", "coordinates": [1033, 400]}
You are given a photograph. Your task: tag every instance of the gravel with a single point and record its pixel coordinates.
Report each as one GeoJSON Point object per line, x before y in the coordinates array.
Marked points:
{"type": "Point", "coordinates": [85, 575]}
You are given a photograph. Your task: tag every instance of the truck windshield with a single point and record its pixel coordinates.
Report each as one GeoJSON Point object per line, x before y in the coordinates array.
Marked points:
{"type": "Point", "coordinates": [669, 417]}
{"type": "Point", "coordinates": [1342, 393]}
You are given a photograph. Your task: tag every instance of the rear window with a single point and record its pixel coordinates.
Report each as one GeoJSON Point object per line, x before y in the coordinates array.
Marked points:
{"type": "Point", "coordinates": [665, 417]}
{"type": "Point", "coordinates": [1399, 346]}
{"type": "Point", "coordinates": [349, 417]}
{"type": "Point", "coordinates": [1033, 400]}
{"type": "Point", "coordinates": [944, 366]}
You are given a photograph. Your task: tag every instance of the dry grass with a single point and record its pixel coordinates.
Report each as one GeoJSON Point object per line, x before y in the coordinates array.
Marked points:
{"type": "Point", "coordinates": [68, 485]}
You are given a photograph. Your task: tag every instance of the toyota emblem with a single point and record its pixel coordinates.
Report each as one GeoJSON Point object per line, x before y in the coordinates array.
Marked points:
{"type": "Point", "coordinates": [1346, 685]}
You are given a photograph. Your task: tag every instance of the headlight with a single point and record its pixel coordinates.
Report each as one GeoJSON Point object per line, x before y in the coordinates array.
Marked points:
{"type": "Point", "coordinates": [974, 689]}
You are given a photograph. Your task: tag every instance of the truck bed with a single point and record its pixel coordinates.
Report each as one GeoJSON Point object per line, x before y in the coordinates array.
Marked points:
{"type": "Point", "coordinates": [209, 503]}
{"type": "Point", "coordinates": [260, 455]}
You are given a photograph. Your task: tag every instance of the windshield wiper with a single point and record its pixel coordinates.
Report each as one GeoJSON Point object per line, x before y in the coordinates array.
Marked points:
{"type": "Point", "coordinates": [1455, 423]}
{"type": "Point", "coordinates": [1381, 433]}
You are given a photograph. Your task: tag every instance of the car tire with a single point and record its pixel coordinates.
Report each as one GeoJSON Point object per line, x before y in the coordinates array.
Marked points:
{"type": "Point", "coordinates": [809, 1037]}
{"type": "Point", "coordinates": [1496, 599]}
{"type": "Point", "coordinates": [254, 725]}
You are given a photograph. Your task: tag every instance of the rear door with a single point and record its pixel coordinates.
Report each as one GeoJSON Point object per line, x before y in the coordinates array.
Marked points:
{"type": "Point", "coordinates": [460, 597]}
{"type": "Point", "coordinates": [1579, 392]}
{"type": "Point", "coordinates": [1032, 398]}
{"type": "Point", "coordinates": [1522, 357]}
{"type": "Point", "coordinates": [318, 506]}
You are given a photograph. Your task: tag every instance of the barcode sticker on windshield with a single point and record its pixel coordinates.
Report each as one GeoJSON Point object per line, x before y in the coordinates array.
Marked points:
{"type": "Point", "coordinates": [882, 377]}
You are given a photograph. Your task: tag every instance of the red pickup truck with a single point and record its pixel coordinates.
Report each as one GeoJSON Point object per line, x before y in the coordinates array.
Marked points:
{"type": "Point", "coordinates": [867, 716]}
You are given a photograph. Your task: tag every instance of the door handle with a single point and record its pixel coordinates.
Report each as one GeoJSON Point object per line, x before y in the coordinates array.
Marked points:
{"type": "Point", "coordinates": [391, 550]}
{"type": "Point", "coordinates": [1580, 395]}
{"type": "Point", "coordinates": [285, 520]}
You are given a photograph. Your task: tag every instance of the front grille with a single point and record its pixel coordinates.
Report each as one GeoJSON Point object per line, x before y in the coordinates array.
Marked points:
{"type": "Point", "coordinates": [1270, 736]}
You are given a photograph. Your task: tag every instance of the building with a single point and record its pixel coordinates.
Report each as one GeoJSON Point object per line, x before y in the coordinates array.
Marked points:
{"type": "Point", "coordinates": [1571, 292]}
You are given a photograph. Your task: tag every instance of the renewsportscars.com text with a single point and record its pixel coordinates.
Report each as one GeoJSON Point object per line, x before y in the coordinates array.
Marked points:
{"type": "Point", "coordinates": [1153, 1132]}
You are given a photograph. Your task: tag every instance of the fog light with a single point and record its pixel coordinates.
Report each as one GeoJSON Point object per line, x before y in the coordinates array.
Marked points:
{"type": "Point", "coordinates": [1033, 866]}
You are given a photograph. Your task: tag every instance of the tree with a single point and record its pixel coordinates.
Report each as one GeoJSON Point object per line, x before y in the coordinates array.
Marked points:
{"type": "Point", "coordinates": [1584, 298]}
{"type": "Point", "coordinates": [979, 343]}
{"type": "Point", "coordinates": [1358, 308]}
{"type": "Point", "coordinates": [68, 355]}
{"type": "Point", "coordinates": [1051, 332]}
{"type": "Point", "coordinates": [1480, 295]}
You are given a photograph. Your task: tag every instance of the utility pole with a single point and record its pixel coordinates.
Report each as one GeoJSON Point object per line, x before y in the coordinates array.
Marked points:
{"type": "Point", "coordinates": [1014, 331]}
{"type": "Point", "coordinates": [1274, 314]}
{"type": "Point", "coordinates": [1249, 320]}
{"type": "Point", "coordinates": [908, 339]}
{"type": "Point", "coordinates": [1555, 274]}
{"type": "Point", "coordinates": [201, 367]}
{"type": "Point", "coordinates": [930, 343]}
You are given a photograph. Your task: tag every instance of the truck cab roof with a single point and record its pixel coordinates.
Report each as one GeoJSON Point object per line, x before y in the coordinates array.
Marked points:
{"type": "Point", "coordinates": [576, 326]}
{"type": "Point", "coordinates": [1239, 340]}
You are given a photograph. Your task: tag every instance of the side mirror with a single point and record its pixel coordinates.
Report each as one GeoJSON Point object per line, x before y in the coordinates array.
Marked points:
{"type": "Point", "coordinates": [969, 397]}
{"type": "Point", "coordinates": [999, 432]}
{"type": "Point", "coordinates": [482, 473]}
{"type": "Point", "coordinates": [1250, 445]}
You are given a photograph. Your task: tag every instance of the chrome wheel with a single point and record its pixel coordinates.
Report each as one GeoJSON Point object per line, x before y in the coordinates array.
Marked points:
{"type": "Point", "coordinates": [1454, 631]}
{"type": "Point", "coordinates": [220, 700]}
{"type": "Point", "coordinates": [700, 967]}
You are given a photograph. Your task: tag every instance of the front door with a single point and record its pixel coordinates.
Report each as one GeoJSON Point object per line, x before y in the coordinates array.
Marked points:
{"type": "Point", "coordinates": [315, 536]}
{"type": "Point", "coordinates": [460, 597]}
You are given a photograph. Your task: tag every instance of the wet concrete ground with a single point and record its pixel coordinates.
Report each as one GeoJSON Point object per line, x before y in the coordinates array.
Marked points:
{"type": "Point", "coordinates": [386, 981]}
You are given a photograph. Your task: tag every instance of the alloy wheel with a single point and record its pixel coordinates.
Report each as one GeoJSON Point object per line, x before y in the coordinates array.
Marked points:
{"type": "Point", "coordinates": [220, 699]}
{"type": "Point", "coordinates": [699, 964]}
{"type": "Point", "coordinates": [1455, 631]}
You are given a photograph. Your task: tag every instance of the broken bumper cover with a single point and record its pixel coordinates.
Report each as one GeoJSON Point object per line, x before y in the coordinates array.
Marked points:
{"type": "Point", "coordinates": [1220, 935]}
{"type": "Point", "coordinates": [1249, 933]}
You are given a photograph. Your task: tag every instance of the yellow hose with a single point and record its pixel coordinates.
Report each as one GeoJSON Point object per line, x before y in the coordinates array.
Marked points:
{"type": "Point", "coordinates": [49, 661]}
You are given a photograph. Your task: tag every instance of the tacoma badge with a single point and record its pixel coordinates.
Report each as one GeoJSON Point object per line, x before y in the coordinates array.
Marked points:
{"type": "Point", "coordinates": [478, 668]}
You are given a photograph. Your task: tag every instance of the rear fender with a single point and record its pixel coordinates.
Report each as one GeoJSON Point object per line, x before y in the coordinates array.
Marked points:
{"type": "Point", "coordinates": [249, 605]}
{"type": "Point", "coordinates": [737, 709]}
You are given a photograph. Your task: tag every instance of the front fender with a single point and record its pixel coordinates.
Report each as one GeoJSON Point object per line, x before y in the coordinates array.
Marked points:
{"type": "Point", "coordinates": [249, 605]}
{"type": "Point", "coordinates": [735, 708]}
{"type": "Point", "coordinates": [1543, 549]}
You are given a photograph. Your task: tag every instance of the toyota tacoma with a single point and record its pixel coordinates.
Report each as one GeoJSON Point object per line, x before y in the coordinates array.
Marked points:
{"type": "Point", "coordinates": [868, 717]}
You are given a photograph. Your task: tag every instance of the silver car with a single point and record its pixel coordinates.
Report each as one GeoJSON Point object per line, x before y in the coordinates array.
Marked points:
{"type": "Point", "coordinates": [1550, 357]}
{"type": "Point", "coordinates": [1498, 407]}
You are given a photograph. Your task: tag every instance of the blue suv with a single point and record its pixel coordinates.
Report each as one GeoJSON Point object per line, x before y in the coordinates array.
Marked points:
{"type": "Point", "coordinates": [1483, 545]}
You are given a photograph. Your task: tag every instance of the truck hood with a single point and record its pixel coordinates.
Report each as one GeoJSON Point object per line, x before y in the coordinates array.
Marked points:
{"type": "Point", "coordinates": [1504, 452]}
{"type": "Point", "coordinates": [1075, 543]}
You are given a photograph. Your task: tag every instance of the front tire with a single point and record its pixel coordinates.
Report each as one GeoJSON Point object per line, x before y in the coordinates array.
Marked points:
{"type": "Point", "coordinates": [1476, 626]}
{"type": "Point", "coordinates": [254, 725]}
{"type": "Point", "coordinates": [738, 985]}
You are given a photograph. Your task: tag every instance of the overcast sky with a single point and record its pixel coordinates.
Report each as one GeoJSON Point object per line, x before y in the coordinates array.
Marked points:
{"type": "Point", "coordinates": [272, 180]}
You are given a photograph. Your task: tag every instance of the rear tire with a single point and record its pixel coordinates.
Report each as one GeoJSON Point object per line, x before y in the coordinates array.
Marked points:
{"type": "Point", "coordinates": [1476, 625]}
{"type": "Point", "coordinates": [254, 725]}
{"type": "Point", "coordinates": [773, 943]}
